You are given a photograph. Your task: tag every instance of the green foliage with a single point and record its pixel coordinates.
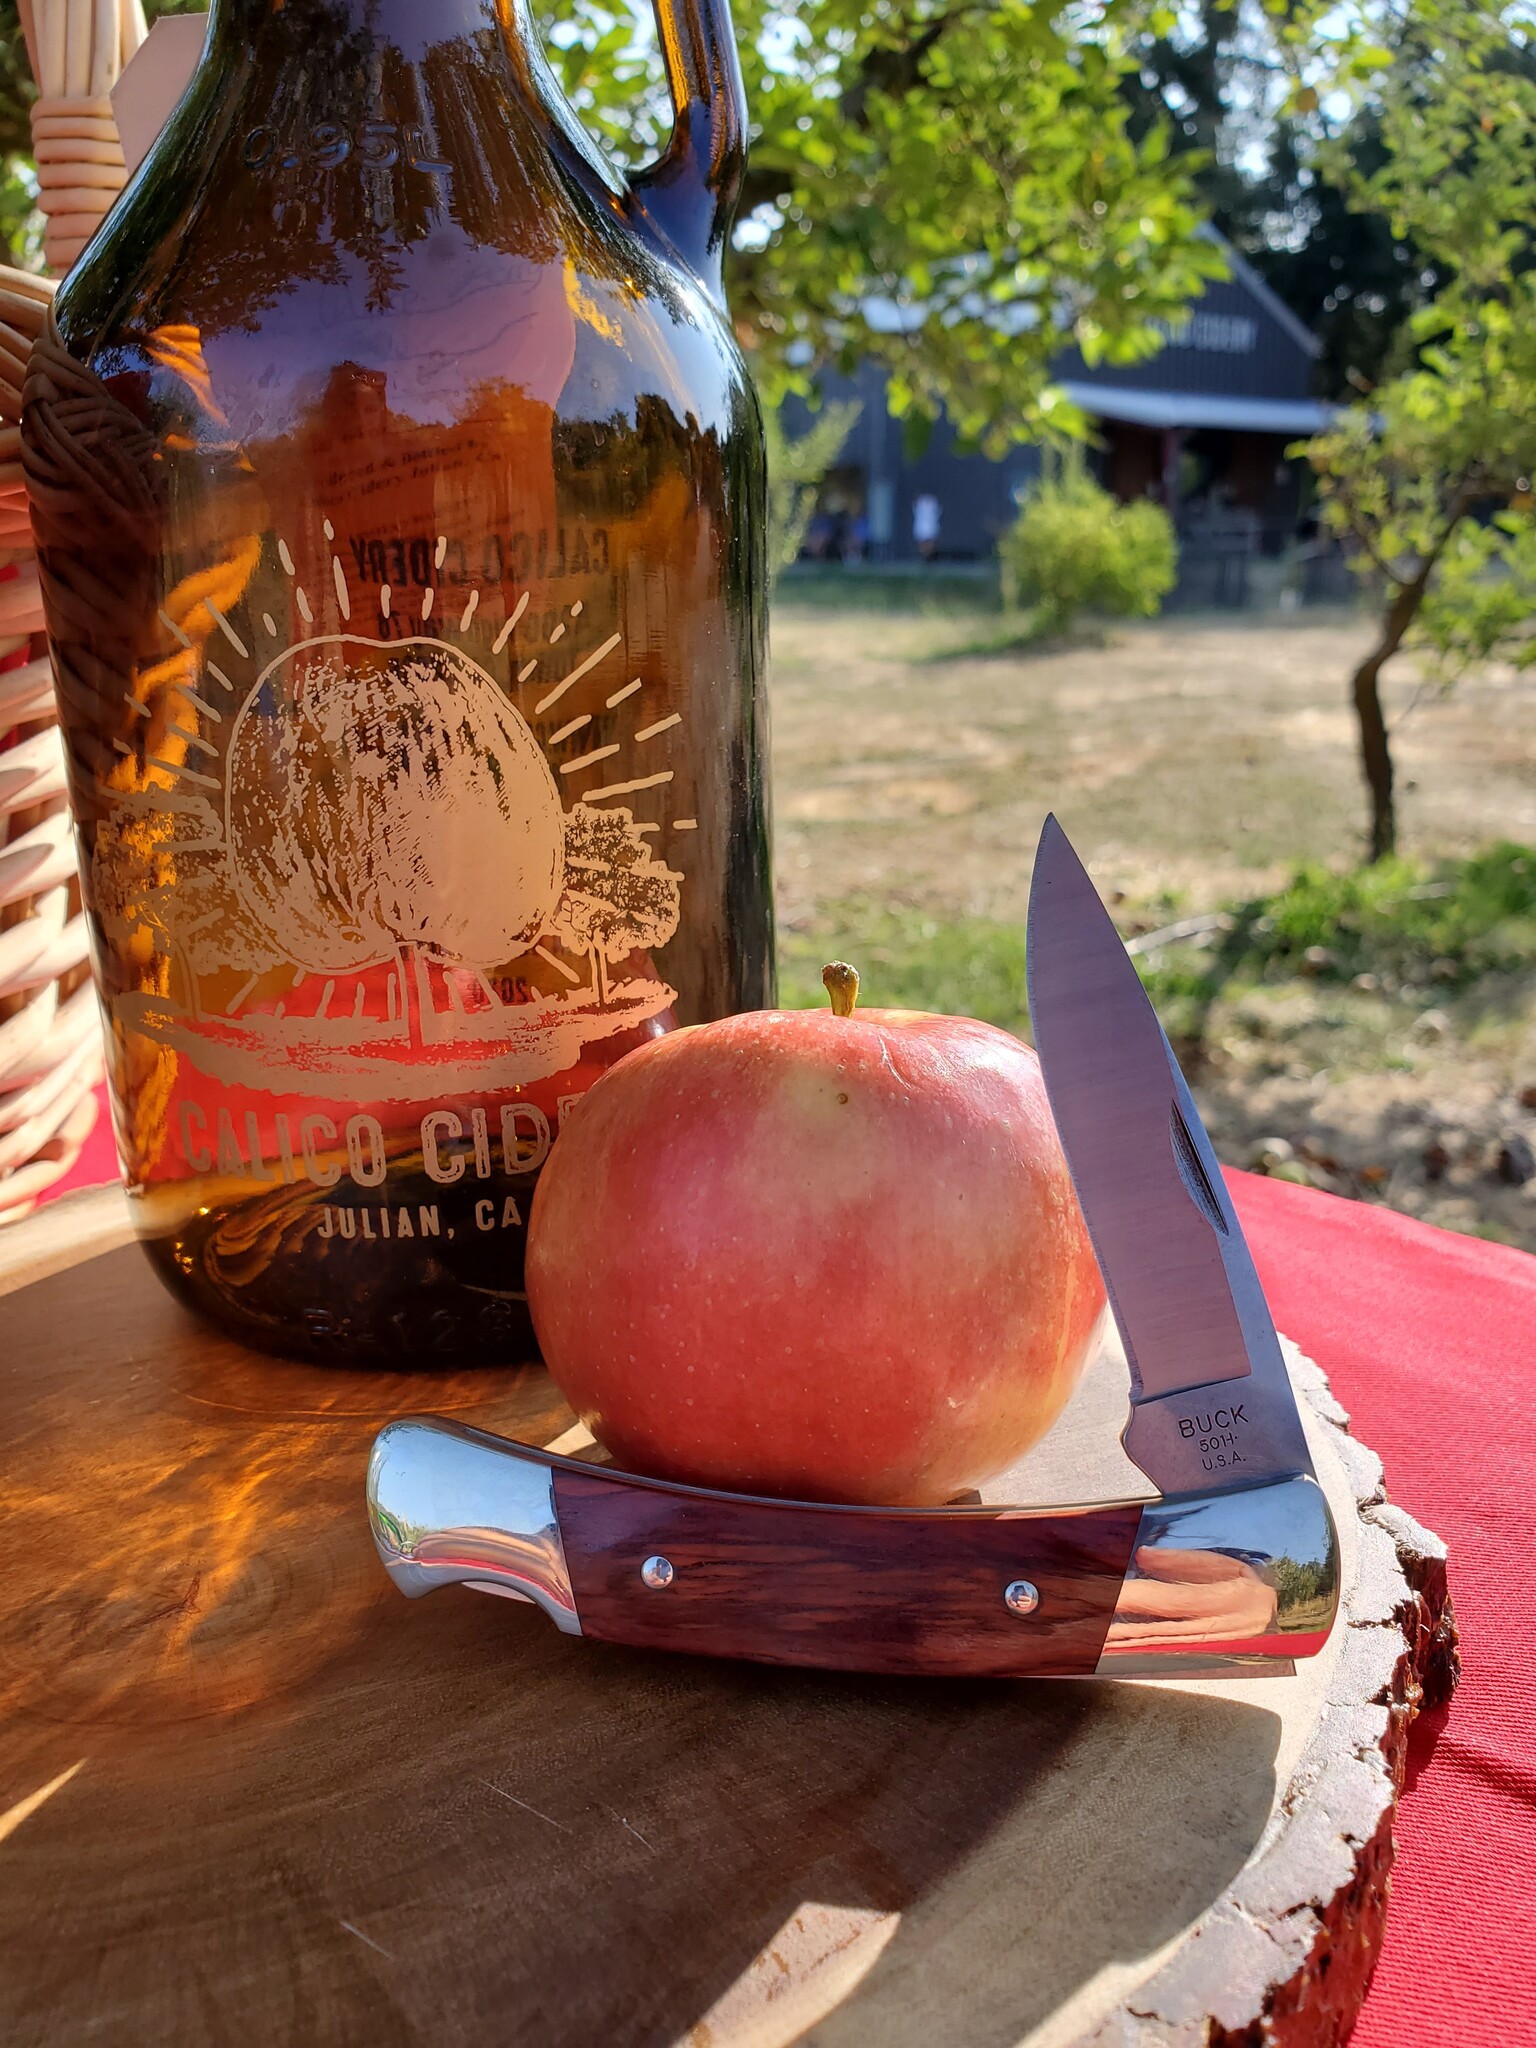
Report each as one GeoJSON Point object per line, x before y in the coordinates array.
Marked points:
{"type": "Point", "coordinates": [1074, 549]}
{"type": "Point", "coordinates": [1212, 72]}
{"type": "Point", "coordinates": [1411, 926]}
{"type": "Point", "coordinates": [969, 174]}
{"type": "Point", "coordinates": [796, 465]}
{"type": "Point", "coordinates": [21, 240]}
{"type": "Point", "coordinates": [1304, 1590]}
{"type": "Point", "coordinates": [1429, 488]}
{"type": "Point", "coordinates": [1428, 481]}
{"type": "Point", "coordinates": [910, 961]}
{"type": "Point", "coordinates": [21, 224]}
{"type": "Point", "coordinates": [935, 590]}
{"type": "Point", "coordinates": [1482, 600]}
{"type": "Point", "coordinates": [17, 91]}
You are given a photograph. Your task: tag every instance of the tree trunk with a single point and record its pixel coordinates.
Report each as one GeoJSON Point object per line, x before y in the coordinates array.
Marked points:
{"type": "Point", "coordinates": [416, 994]}
{"type": "Point", "coordinates": [180, 961]}
{"type": "Point", "coordinates": [1375, 754]}
{"type": "Point", "coordinates": [1375, 742]}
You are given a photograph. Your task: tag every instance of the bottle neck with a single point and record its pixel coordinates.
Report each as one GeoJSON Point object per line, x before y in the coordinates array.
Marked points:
{"type": "Point", "coordinates": [411, 27]}
{"type": "Point", "coordinates": [442, 79]}
{"type": "Point", "coordinates": [372, 79]}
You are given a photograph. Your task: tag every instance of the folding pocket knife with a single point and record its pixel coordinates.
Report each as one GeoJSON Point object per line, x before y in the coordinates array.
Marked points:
{"type": "Point", "coordinates": [1235, 1567]}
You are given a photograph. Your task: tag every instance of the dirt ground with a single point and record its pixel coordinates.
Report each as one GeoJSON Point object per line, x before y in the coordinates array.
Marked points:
{"type": "Point", "coordinates": [1192, 762]}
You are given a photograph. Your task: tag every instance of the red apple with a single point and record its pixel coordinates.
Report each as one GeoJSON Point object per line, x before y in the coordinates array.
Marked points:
{"type": "Point", "coordinates": [830, 1257]}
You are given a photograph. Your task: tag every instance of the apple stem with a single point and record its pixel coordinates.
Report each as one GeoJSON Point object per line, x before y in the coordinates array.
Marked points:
{"type": "Point", "coordinates": [841, 983]}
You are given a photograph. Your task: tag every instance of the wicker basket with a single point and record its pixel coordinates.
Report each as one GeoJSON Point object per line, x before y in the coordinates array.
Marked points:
{"type": "Point", "coordinates": [50, 1038]}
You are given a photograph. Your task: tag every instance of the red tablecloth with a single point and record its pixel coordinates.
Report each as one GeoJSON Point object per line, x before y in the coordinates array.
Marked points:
{"type": "Point", "coordinates": [98, 1155]}
{"type": "Point", "coordinates": [1430, 1342]}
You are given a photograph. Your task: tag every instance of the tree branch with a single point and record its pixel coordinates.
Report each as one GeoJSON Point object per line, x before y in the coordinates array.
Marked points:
{"type": "Point", "coordinates": [1359, 533]}
{"type": "Point", "coordinates": [1462, 500]}
{"type": "Point", "coordinates": [895, 71]}
{"type": "Point", "coordinates": [762, 186]}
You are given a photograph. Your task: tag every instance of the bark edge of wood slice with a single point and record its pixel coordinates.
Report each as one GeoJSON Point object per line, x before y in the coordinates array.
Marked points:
{"type": "Point", "coordinates": [1286, 1955]}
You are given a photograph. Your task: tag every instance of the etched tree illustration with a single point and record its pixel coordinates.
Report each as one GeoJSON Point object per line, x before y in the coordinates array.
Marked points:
{"type": "Point", "coordinates": [161, 888]}
{"type": "Point", "coordinates": [217, 931]}
{"type": "Point", "coordinates": [618, 898]}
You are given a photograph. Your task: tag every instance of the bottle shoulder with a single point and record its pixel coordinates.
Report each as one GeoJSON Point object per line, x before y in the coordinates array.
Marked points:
{"type": "Point", "coordinates": [586, 323]}
{"type": "Point", "coordinates": [439, 236]}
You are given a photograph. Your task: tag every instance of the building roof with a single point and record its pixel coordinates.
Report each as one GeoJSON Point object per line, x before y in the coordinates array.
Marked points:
{"type": "Point", "coordinates": [1237, 340]}
{"type": "Point", "coordinates": [1146, 408]}
{"type": "Point", "coordinates": [1270, 300]}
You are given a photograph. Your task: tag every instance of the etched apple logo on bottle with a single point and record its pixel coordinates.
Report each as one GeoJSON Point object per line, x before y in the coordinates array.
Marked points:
{"type": "Point", "coordinates": [388, 800]}
{"type": "Point", "coordinates": [384, 857]}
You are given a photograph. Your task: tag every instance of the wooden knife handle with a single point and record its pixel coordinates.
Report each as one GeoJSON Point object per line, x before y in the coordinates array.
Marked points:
{"type": "Point", "coordinates": [842, 1588]}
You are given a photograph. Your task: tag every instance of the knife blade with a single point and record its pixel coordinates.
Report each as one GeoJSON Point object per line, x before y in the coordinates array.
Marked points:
{"type": "Point", "coordinates": [1125, 1587]}
{"type": "Point", "coordinates": [1211, 1401]}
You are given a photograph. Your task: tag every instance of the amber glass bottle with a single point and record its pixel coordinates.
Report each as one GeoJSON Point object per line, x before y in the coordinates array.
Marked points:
{"type": "Point", "coordinates": [398, 492]}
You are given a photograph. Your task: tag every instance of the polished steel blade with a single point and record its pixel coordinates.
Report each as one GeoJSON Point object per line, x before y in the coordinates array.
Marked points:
{"type": "Point", "coordinates": [1211, 1398]}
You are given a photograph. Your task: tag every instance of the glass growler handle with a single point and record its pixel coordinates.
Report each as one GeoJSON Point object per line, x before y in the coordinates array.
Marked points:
{"type": "Point", "coordinates": [690, 192]}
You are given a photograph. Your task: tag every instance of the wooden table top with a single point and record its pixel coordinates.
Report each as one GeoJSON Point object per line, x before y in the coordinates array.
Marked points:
{"type": "Point", "coordinates": [248, 1793]}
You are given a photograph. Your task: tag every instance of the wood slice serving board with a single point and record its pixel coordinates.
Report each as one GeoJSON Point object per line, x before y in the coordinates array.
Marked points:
{"type": "Point", "coordinates": [249, 1794]}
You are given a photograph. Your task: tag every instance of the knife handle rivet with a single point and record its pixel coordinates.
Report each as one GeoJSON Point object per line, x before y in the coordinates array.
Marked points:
{"type": "Point", "coordinates": [657, 1572]}
{"type": "Point", "coordinates": [1020, 1597]}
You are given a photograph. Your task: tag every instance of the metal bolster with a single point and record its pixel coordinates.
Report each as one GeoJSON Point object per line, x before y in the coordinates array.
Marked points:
{"type": "Point", "coordinates": [1239, 1581]}
{"type": "Point", "coordinates": [447, 1508]}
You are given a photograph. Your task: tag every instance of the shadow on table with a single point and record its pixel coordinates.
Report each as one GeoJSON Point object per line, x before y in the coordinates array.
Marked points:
{"type": "Point", "coordinates": [284, 1804]}
{"type": "Point", "coordinates": [1423, 1740]}
{"type": "Point", "coordinates": [483, 1832]}
{"type": "Point", "coordinates": [602, 1843]}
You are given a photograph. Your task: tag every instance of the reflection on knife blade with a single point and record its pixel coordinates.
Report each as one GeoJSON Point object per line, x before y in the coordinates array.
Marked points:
{"type": "Point", "coordinates": [1211, 1400]}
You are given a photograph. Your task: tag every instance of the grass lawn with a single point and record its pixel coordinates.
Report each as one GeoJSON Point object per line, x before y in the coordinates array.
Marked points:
{"type": "Point", "coordinates": [1373, 1035]}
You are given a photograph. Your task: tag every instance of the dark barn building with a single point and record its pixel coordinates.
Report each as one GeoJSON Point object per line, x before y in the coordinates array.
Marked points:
{"type": "Point", "coordinates": [1202, 426]}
